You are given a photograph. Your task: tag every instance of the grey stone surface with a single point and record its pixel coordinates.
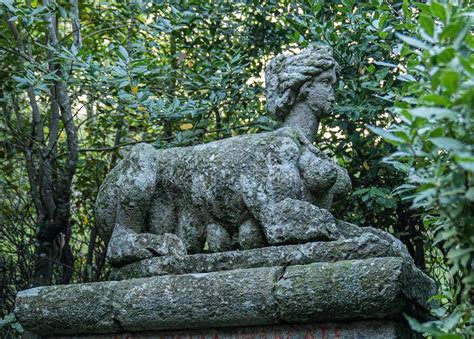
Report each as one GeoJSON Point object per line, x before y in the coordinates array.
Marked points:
{"type": "Point", "coordinates": [64, 309]}
{"type": "Point", "coordinates": [251, 235]}
{"type": "Point", "coordinates": [253, 177]}
{"type": "Point", "coordinates": [277, 181]}
{"type": "Point", "coordinates": [374, 288]}
{"type": "Point", "coordinates": [366, 245]}
{"type": "Point", "coordinates": [218, 239]}
{"type": "Point", "coordinates": [338, 330]}
{"type": "Point", "coordinates": [144, 245]}
{"type": "Point", "coordinates": [349, 231]}
{"type": "Point", "coordinates": [355, 289]}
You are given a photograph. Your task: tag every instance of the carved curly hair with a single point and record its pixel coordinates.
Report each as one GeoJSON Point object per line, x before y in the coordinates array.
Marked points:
{"type": "Point", "coordinates": [285, 76]}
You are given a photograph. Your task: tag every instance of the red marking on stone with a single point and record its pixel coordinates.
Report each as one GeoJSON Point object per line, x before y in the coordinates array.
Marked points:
{"type": "Point", "coordinates": [337, 333]}
{"type": "Point", "coordinates": [309, 334]}
{"type": "Point", "coordinates": [325, 333]}
{"type": "Point", "coordinates": [277, 335]}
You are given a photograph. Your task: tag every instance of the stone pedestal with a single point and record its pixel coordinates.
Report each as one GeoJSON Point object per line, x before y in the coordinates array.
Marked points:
{"type": "Point", "coordinates": [297, 291]}
{"type": "Point", "coordinates": [338, 330]}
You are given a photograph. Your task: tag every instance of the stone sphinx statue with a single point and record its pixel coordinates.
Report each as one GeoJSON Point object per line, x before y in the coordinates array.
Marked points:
{"type": "Point", "coordinates": [243, 192]}
{"type": "Point", "coordinates": [234, 239]}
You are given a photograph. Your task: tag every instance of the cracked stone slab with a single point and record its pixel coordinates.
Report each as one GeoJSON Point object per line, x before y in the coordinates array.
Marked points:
{"type": "Point", "coordinates": [376, 288]}
{"type": "Point", "coordinates": [353, 289]}
{"type": "Point", "coordinates": [366, 245]}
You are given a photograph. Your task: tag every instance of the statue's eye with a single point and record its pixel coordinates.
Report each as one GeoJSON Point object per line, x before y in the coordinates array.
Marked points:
{"type": "Point", "coordinates": [325, 81]}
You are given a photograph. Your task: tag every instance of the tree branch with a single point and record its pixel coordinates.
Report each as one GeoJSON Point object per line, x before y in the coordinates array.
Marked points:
{"type": "Point", "coordinates": [76, 24]}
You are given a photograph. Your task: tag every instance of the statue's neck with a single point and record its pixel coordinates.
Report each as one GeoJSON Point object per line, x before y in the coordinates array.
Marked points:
{"type": "Point", "coordinates": [304, 119]}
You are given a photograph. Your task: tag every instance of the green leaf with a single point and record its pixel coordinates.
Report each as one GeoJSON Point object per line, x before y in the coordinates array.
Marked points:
{"type": "Point", "coordinates": [123, 52]}
{"type": "Point", "coordinates": [62, 12]}
{"type": "Point", "coordinates": [463, 33]}
{"type": "Point", "coordinates": [427, 24]}
{"type": "Point", "coordinates": [433, 113]}
{"type": "Point", "coordinates": [465, 161]}
{"type": "Point", "coordinates": [385, 134]}
{"type": "Point", "coordinates": [17, 327]}
{"type": "Point", "coordinates": [446, 55]}
{"type": "Point", "coordinates": [436, 99]}
{"type": "Point", "coordinates": [383, 63]}
{"type": "Point", "coordinates": [21, 80]}
{"type": "Point", "coordinates": [470, 194]}
{"type": "Point", "coordinates": [450, 80]}
{"type": "Point", "coordinates": [447, 143]}
{"type": "Point", "coordinates": [438, 10]}
{"type": "Point", "coordinates": [413, 41]}
{"type": "Point", "coordinates": [416, 326]}
{"type": "Point", "coordinates": [458, 252]}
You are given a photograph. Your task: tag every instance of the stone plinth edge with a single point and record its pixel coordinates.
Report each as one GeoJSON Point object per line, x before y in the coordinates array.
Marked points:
{"type": "Point", "coordinates": [375, 288]}
{"type": "Point", "coordinates": [366, 245]}
{"type": "Point", "coordinates": [339, 330]}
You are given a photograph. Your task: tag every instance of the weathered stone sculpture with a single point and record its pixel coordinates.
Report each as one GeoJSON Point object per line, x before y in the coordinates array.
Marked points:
{"type": "Point", "coordinates": [243, 192]}
{"type": "Point", "coordinates": [235, 239]}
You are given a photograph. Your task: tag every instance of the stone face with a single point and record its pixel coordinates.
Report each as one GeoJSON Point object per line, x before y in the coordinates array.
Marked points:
{"type": "Point", "coordinates": [374, 288]}
{"type": "Point", "coordinates": [367, 245]}
{"type": "Point", "coordinates": [287, 80]}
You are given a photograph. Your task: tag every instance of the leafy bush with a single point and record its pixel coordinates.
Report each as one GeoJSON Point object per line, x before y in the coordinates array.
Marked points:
{"type": "Point", "coordinates": [434, 136]}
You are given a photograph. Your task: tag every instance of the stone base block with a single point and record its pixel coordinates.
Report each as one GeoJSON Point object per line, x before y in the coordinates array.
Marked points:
{"type": "Point", "coordinates": [338, 330]}
{"type": "Point", "coordinates": [366, 245]}
{"type": "Point", "coordinates": [375, 288]}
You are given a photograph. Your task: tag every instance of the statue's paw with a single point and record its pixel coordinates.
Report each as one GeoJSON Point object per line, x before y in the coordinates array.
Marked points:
{"type": "Point", "coordinates": [296, 221]}
{"type": "Point", "coordinates": [161, 245]}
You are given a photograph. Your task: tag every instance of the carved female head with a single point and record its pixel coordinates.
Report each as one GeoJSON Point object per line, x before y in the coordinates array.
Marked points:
{"type": "Point", "coordinates": [307, 76]}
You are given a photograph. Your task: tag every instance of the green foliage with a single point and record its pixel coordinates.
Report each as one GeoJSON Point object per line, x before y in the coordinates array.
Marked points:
{"type": "Point", "coordinates": [177, 73]}
{"type": "Point", "coordinates": [10, 326]}
{"type": "Point", "coordinates": [371, 73]}
{"type": "Point", "coordinates": [434, 136]}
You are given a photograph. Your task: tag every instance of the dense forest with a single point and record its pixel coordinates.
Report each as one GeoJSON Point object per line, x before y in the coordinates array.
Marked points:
{"type": "Point", "coordinates": [82, 81]}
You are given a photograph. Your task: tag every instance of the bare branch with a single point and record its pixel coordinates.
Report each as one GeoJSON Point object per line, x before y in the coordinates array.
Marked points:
{"type": "Point", "coordinates": [76, 24]}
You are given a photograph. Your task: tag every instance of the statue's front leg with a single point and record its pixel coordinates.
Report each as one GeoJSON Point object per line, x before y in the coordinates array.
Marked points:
{"type": "Point", "coordinates": [133, 185]}
{"type": "Point", "coordinates": [127, 246]}
{"type": "Point", "coordinates": [293, 221]}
